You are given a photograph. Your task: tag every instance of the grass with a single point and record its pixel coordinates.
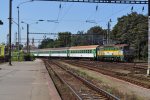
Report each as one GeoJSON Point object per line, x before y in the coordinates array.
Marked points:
{"type": "Point", "coordinates": [99, 82]}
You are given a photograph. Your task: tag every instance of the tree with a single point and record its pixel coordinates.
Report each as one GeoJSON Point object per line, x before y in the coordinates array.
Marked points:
{"type": "Point", "coordinates": [64, 39]}
{"type": "Point", "coordinates": [132, 29]}
{"type": "Point", "coordinates": [96, 35]}
{"type": "Point", "coordinates": [46, 43]}
{"type": "Point", "coordinates": [78, 39]}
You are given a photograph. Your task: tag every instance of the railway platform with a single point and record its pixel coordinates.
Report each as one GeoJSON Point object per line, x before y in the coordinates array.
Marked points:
{"type": "Point", "coordinates": [26, 81]}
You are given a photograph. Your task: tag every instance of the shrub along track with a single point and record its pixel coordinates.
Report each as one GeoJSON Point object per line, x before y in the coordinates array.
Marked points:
{"type": "Point", "coordinates": [81, 88]}
{"type": "Point", "coordinates": [144, 82]}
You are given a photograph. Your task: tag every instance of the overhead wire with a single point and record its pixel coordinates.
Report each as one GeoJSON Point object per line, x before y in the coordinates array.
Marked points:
{"type": "Point", "coordinates": [59, 11]}
{"type": "Point", "coordinates": [60, 20]}
{"type": "Point", "coordinates": [88, 19]}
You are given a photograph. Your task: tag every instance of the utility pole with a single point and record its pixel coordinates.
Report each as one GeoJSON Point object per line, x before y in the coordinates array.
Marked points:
{"type": "Point", "coordinates": [27, 38]}
{"type": "Point", "coordinates": [10, 27]}
{"type": "Point", "coordinates": [28, 51]}
{"type": "Point", "coordinates": [19, 31]}
{"type": "Point", "coordinates": [148, 69]}
{"type": "Point", "coordinates": [108, 32]}
{"type": "Point", "coordinates": [18, 34]}
{"type": "Point", "coordinates": [16, 39]}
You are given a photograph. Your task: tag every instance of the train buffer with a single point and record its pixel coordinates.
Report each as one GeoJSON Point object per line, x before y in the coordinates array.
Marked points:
{"type": "Point", "coordinates": [26, 81]}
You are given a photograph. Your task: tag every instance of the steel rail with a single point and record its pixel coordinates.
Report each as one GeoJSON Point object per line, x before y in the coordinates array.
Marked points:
{"type": "Point", "coordinates": [101, 91]}
{"type": "Point", "coordinates": [63, 81]}
{"type": "Point", "coordinates": [111, 73]}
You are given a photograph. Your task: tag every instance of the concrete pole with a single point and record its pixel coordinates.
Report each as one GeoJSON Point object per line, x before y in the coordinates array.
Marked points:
{"type": "Point", "coordinates": [148, 69]}
{"type": "Point", "coordinates": [18, 34]}
{"type": "Point", "coordinates": [108, 33]}
{"type": "Point", "coordinates": [27, 38]}
{"type": "Point", "coordinates": [10, 27]}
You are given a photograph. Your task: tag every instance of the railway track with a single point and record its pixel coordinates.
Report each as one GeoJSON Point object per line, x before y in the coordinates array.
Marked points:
{"type": "Point", "coordinates": [81, 88]}
{"type": "Point", "coordinates": [127, 65]}
{"type": "Point", "coordinates": [111, 73]}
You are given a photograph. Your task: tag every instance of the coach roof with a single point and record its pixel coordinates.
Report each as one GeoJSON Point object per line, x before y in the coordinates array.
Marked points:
{"type": "Point", "coordinates": [52, 49]}
{"type": "Point", "coordinates": [84, 47]}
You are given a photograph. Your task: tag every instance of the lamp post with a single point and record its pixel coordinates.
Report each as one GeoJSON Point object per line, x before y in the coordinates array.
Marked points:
{"type": "Point", "coordinates": [28, 50]}
{"type": "Point", "coordinates": [19, 36]}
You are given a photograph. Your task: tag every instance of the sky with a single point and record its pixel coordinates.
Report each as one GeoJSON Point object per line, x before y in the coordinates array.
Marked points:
{"type": "Point", "coordinates": [71, 17]}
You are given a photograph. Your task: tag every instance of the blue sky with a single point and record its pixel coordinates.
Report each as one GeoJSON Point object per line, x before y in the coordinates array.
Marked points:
{"type": "Point", "coordinates": [72, 16]}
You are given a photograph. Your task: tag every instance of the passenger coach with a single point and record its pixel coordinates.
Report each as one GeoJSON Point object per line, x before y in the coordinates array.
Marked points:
{"type": "Point", "coordinates": [50, 52]}
{"type": "Point", "coordinates": [83, 51]}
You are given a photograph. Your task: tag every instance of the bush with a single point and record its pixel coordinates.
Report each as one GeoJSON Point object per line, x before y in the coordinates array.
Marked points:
{"type": "Point", "coordinates": [15, 56]}
{"type": "Point", "coordinates": [28, 57]}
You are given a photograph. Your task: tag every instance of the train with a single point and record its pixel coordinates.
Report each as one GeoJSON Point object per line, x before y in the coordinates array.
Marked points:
{"type": "Point", "coordinates": [118, 52]}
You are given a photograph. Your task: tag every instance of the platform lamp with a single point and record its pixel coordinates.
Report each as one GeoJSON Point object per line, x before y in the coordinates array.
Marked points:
{"type": "Point", "coordinates": [19, 24]}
